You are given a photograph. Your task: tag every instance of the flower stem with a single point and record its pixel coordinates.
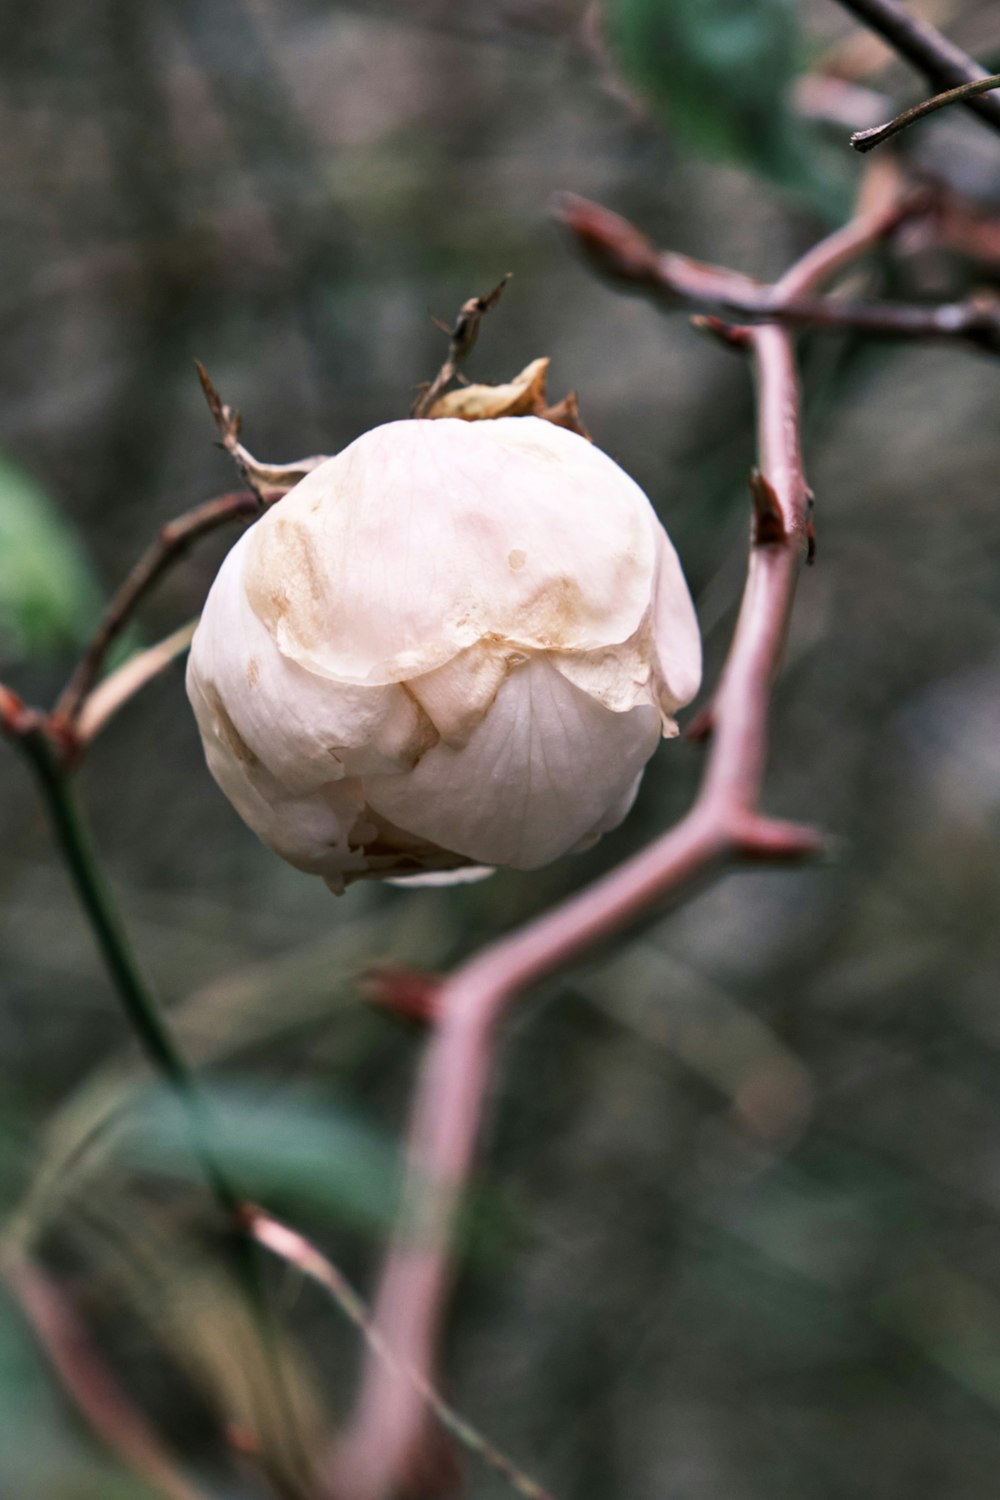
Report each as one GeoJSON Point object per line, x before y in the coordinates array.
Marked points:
{"type": "Point", "coordinates": [147, 1021]}
{"type": "Point", "coordinates": [134, 990]}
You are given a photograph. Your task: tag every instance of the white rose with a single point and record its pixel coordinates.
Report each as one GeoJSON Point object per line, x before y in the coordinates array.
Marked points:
{"type": "Point", "coordinates": [455, 644]}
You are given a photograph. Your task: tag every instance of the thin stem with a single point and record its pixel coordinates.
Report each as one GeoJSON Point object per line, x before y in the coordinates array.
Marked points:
{"type": "Point", "coordinates": [867, 140]}
{"type": "Point", "coordinates": [171, 542]}
{"type": "Point", "coordinates": [133, 988]}
{"type": "Point", "coordinates": [942, 63]}
{"type": "Point", "coordinates": [146, 1019]}
{"type": "Point", "coordinates": [297, 1251]}
{"type": "Point", "coordinates": [99, 1396]}
{"type": "Point", "coordinates": [121, 685]}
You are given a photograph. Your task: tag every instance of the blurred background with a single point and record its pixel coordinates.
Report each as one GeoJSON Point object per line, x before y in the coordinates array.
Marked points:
{"type": "Point", "coordinates": [736, 1230]}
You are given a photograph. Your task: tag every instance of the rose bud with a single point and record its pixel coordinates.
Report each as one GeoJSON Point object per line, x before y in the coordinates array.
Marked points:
{"type": "Point", "coordinates": [454, 645]}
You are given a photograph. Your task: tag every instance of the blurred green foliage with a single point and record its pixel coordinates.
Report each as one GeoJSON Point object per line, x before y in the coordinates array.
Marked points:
{"type": "Point", "coordinates": [720, 71]}
{"type": "Point", "coordinates": [48, 593]}
{"type": "Point", "coordinates": [748, 1158]}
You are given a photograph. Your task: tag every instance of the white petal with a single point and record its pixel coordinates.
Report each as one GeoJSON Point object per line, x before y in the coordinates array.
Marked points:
{"type": "Point", "coordinates": [312, 833]}
{"type": "Point", "coordinates": [457, 696]}
{"type": "Point", "coordinates": [676, 637]}
{"type": "Point", "coordinates": [424, 537]}
{"type": "Point", "coordinates": [536, 777]}
{"type": "Point", "coordinates": [305, 729]}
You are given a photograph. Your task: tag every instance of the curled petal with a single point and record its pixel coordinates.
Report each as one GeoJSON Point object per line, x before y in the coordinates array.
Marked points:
{"type": "Point", "coordinates": [422, 538]}
{"type": "Point", "coordinates": [536, 777]}
{"type": "Point", "coordinates": [289, 719]}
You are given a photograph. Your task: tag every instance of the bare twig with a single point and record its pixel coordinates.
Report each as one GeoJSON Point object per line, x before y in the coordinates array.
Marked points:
{"type": "Point", "coordinates": [623, 254]}
{"type": "Point", "coordinates": [171, 542]}
{"type": "Point", "coordinates": [462, 341]}
{"type": "Point", "coordinates": [89, 1382]}
{"type": "Point", "coordinates": [942, 63]}
{"type": "Point", "coordinates": [725, 824]}
{"type": "Point", "coordinates": [268, 481]}
{"type": "Point", "coordinates": [296, 1250]}
{"type": "Point", "coordinates": [867, 140]}
{"type": "Point", "coordinates": [122, 684]}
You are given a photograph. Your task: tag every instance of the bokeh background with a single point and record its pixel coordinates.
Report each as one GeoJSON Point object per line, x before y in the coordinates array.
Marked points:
{"type": "Point", "coordinates": [736, 1230]}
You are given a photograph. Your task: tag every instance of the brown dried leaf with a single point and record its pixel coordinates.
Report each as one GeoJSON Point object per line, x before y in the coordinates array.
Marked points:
{"type": "Point", "coordinates": [524, 396]}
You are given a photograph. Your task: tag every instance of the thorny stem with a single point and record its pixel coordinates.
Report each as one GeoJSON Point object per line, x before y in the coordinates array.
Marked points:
{"type": "Point", "coordinates": [383, 1440]}
{"type": "Point", "coordinates": [942, 63]}
{"type": "Point", "coordinates": [867, 140]}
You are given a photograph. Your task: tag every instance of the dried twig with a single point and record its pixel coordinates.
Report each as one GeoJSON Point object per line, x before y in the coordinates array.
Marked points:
{"type": "Point", "coordinates": [89, 1382]}
{"type": "Point", "coordinates": [297, 1251]}
{"type": "Point", "coordinates": [119, 686]}
{"type": "Point", "coordinates": [942, 63]}
{"type": "Point", "coordinates": [867, 140]}
{"type": "Point", "coordinates": [268, 481]}
{"type": "Point", "coordinates": [171, 542]}
{"type": "Point", "coordinates": [724, 824]}
{"type": "Point", "coordinates": [462, 341]}
{"type": "Point", "coordinates": [623, 254]}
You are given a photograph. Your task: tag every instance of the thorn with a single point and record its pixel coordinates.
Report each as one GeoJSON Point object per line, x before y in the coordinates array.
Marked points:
{"type": "Point", "coordinates": [730, 335]}
{"type": "Point", "coordinates": [772, 840]}
{"type": "Point", "coordinates": [701, 727]}
{"type": "Point", "coordinates": [407, 994]}
{"type": "Point", "coordinates": [769, 523]}
{"type": "Point", "coordinates": [810, 528]}
{"type": "Point", "coordinates": [226, 418]}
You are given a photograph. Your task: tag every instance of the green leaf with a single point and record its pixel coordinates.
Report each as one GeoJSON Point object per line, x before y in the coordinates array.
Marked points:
{"type": "Point", "coordinates": [297, 1155]}
{"type": "Point", "coordinates": [48, 596]}
{"type": "Point", "coordinates": [719, 71]}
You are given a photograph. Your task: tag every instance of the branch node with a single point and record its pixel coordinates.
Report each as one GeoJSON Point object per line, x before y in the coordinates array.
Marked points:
{"type": "Point", "coordinates": [729, 335]}
{"type": "Point", "coordinates": [408, 994]}
{"type": "Point", "coordinates": [764, 840]}
{"type": "Point", "coordinates": [769, 523]}
{"type": "Point", "coordinates": [702, 726]}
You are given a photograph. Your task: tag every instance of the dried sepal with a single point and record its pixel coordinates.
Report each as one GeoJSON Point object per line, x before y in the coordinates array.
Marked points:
{"type": "Point", "coordinates": [269, 482]}
{"type": "Point", "coordinates": [524, 396]}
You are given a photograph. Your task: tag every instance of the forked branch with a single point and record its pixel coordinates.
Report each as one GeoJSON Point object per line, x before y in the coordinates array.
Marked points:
{"type": "Point", "coordinates": [725, 824]}
{"type": "Point", "coordinates": [625, 256]}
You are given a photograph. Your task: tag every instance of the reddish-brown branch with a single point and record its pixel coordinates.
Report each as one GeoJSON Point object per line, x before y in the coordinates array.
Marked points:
{"type": "Point", "coordinates": [462, 339]}
{"type": "Point", "coordinates": [942, 63]}
{"type": "Point", "coordinates": [171, 542]}
{"type": "Point", "coordinates": [90, 1383]}
{"type": "Point", "coordinates": [724, 824]}
{"type": "Point", "coordinates": [867, 140]}
{"type": "Point", "coordinates": [625, 256]}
